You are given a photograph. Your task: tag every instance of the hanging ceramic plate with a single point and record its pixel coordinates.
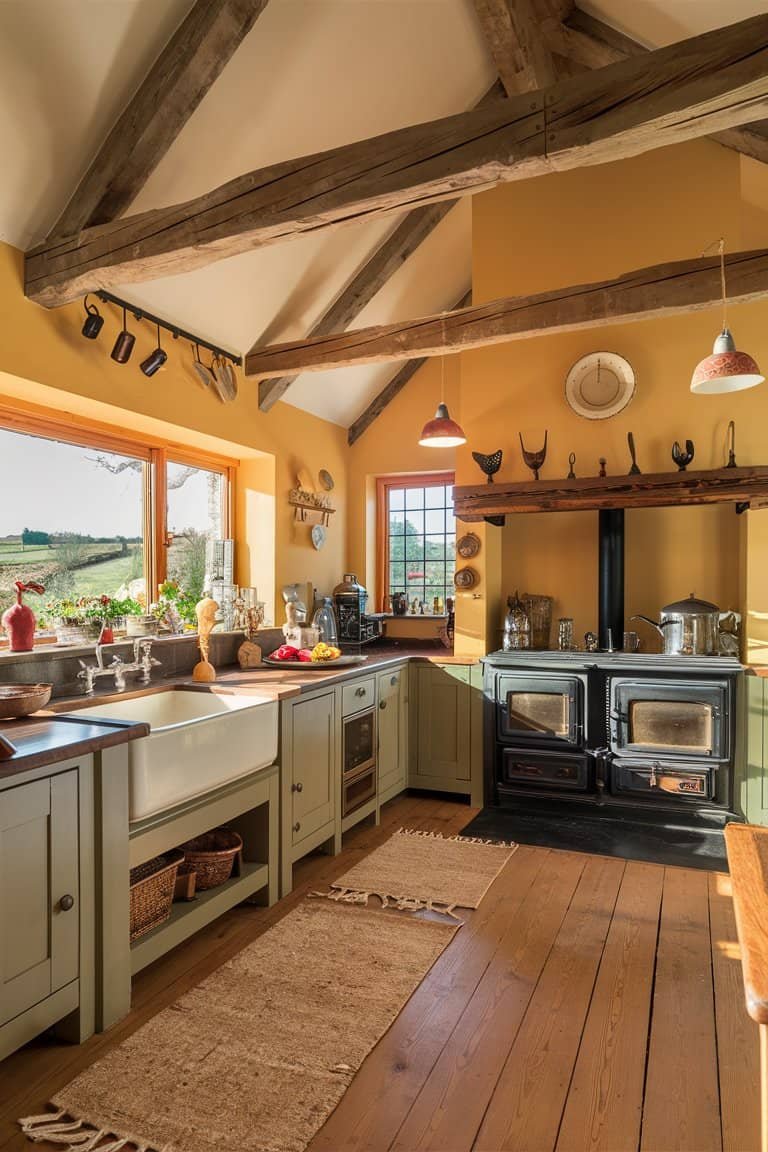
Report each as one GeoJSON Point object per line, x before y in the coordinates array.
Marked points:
{"type": "Point", "coordinates": [600, 385]}
{"type": "Point", "coordinates": [326, 479]}
{"type": "Point", "coordinates": [318, 536]}
{"type": "Point", "coordinates": [468, 546]}
{"type": "Point", "coordinates": [465, 578]}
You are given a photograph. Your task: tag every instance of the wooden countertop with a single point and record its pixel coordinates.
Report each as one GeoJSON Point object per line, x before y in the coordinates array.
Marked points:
{"type": "Point", "coordinates": [42, 740]}
{"type": "Point", "coordinates": [747, 847]}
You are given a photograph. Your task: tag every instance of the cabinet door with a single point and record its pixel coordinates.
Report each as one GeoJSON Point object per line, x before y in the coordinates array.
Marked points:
{"type": "Point", "coordinates": [313, 755]}
{"type": "Point", "coordinates": [443, 720]}
{"type": "Point", "coordinates": [38, 865]}
{"type": "Point", "coordinates": [755, 800]}
{"type": "Point", "coordinates": [392, 734]}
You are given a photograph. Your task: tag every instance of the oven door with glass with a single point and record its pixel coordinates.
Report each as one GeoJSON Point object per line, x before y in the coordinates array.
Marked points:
{"type": "Point", "coordinates": [541, 709]}
{"type": "Point", "coordinates": [683, 719]}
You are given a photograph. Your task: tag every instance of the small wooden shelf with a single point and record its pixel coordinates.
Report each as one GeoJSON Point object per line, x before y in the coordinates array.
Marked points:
{"type": "Point", "coordinates": [746, 487]}
{"type": "Point", "coordinates": [189, 917]}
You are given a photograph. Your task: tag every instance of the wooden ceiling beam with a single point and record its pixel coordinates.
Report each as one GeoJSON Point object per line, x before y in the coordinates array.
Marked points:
{"type": "Point", "coordinates": [174, 86]}
{"type": "Point", "coordinates": [591, 43]}
{"type": "Point", "coordinates": [374, 274]}
{"type": "Point", "coordinates": [522, 57]}
{"type": "Point", "coordinates": [391, 389]}
{"type": "Point", "coordinates": [705, 84]}
{"type": "Point", "coordinates": [661, 290]}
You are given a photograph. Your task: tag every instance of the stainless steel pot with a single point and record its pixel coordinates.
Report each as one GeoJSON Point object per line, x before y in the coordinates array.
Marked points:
{"type": "Point", "coordinates": [688, 627]}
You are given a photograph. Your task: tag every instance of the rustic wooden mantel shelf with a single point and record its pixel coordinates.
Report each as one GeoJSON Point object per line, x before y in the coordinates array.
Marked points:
{"type": "Point", "coordinates": [745, 487]}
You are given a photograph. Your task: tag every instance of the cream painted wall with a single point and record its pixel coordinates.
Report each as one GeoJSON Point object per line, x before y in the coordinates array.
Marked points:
{"type": "Point", "coordinates": [578, 227]}
{"type": "Point", "coordinates": [45, 360]}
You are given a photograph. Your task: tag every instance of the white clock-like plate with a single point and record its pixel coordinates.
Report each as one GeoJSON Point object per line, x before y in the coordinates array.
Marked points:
{"type": "Point", "coordinates": [600, 385]}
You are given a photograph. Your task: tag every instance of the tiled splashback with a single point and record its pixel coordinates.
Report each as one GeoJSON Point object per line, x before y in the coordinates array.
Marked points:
{"type": "Point", "coordinates": [178, 655]}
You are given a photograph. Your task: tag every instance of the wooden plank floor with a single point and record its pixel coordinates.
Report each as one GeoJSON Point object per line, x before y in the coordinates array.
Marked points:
{"type": "Point", "coordinates": [588, 1004]}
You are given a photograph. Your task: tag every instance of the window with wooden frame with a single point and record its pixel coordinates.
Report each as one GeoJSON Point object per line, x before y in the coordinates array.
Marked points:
{"type": "Point", "coordinates": [89, 512]}
{"type": "Point", "coordinates": [416, 538]}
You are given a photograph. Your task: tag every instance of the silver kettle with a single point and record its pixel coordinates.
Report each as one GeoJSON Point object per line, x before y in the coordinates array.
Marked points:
{"type": "Point", "coordinates": [688, 627]}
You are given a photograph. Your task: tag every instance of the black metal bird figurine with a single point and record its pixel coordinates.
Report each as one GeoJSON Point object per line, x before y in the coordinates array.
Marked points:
{"type": "Point", "coordinates": [680, 457]}
{"type": "Point", "coordinates": [488, 464]}
{"type": "Point", "coordinates": [534, 460]}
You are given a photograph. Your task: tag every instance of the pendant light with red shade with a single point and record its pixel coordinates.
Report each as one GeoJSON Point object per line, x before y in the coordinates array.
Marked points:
{"type": "Point", "coordinates": [726, 369]}
{"type": "Point", "coordinates": [442, 431]}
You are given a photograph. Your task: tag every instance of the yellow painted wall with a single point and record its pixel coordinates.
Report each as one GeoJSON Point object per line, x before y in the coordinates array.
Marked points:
{"type": "Point", "coordinates": [583, 226]}
{"type": "Point", "coordinates": [45, 360]}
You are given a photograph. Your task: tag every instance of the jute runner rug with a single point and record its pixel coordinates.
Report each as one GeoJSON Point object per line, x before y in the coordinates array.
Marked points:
{"type": "Point", "coordinates": [256, 1057]}
{"type": "Point", "coordinates": [415, 870]}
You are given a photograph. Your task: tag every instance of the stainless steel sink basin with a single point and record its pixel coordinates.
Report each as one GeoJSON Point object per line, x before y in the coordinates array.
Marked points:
{"type": "Point", "coordinates": [198, 741]}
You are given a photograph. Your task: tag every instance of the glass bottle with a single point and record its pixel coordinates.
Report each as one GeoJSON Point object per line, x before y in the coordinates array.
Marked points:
{"type": "Point", "coordinates": [517, 626]}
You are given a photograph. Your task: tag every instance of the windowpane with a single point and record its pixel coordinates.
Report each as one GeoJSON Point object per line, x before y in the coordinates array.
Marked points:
{"type": "Point", "coordinates": [421, 541]}
{"type": "Point", "coordinates": [72, 519]}
{"type": "Point", "coordinates": [195, 516]}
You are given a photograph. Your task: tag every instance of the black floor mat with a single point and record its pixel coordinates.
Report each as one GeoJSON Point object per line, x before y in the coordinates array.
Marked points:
{"type": "Point", "coordinates": [604, 835]}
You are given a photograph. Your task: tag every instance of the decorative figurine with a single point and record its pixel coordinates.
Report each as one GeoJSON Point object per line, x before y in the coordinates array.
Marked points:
{"type": "Point", "coordinates": [682, 459]}
{"type": "Point", "coordinates": [731, 440]}
{"type": "Point", "coordinates": [602, 473]}
{"type": "Point", "coordinates": [534, 460]}
{"type": "Point", "coordinates": [488, 464]}
{"type": "Point", "coordinates": [19, 619]}
{"type": "Point", "coordinates": [634, 470]}
{"type": "Point", "coordinates": [571, 461]}
{"type": "Point", "coordinates": [205, 610]}
{"type": "Point", "coordinates": [249, 653]}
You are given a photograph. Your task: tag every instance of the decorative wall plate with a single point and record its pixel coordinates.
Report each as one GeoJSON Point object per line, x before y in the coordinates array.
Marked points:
{"type": "Point", "coordinates": [600, 385]}
{"type": "Point", "coordinates": [465, 578]}
{"type": "Point", "coordinates": [468, 546]}
{"type": "Point", "coordinates": [318, 536]}
{"type": "Point", "coordinates": [326, 479]}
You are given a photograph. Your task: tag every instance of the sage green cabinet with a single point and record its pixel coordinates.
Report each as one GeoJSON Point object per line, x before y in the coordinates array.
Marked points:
{"type": "Point", "coordinates": [754, 791]}
{"type": "Point", "coordinates": [46, 906]}
{"type": "Point", "coordinates": [310, 783]}
{"type": "Point", "coordinates": [442, 742]}
{"type": "Point", "coordinates": [392, 732]}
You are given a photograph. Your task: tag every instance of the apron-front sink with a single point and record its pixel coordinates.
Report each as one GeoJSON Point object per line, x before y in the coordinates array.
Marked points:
{"type": "Point", "coordinates": [198, 740]}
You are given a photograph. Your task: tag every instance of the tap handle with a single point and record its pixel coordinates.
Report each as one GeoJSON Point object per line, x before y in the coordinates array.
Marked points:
{"type": "Point", "coordinates": [137, 646]}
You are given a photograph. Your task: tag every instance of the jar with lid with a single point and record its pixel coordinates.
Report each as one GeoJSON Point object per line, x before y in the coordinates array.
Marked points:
{"type": "Point", "coordinates": [324, 620]}
{"type": "Point", "coordinates": [517, 625]}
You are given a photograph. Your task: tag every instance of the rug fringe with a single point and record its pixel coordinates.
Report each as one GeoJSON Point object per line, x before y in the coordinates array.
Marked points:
{"type": "Point", "coordinates": [388, 900]}
{"type": "Point", "coordinates": [455, 839]}
{"type": "Point", "coordinates": [73, 1135]}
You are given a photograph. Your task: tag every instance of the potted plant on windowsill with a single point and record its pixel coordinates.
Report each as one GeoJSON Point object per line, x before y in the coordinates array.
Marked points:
{"type": "Point", "coordinates": [85, 619]}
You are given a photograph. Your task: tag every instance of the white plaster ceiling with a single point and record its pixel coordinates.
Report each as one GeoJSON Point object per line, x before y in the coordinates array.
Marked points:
{"type": "Point", "coordinates": [312, 74]}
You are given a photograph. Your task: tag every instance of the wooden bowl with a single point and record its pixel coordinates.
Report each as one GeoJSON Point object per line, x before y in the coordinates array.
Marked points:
{"type": "Point", "coordinates": [21, 699]}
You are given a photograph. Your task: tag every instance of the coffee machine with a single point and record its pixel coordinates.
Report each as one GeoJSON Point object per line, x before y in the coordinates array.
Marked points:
{"type": "Point", "coordinates": [355, 628]}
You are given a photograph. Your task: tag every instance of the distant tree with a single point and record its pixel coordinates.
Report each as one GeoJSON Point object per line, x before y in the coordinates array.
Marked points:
{"type": "Point", "coordinates": [29, 536]}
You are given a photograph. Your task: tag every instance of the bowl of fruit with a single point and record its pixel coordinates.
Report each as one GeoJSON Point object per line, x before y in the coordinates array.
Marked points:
{"type": "Point", "coordinates": [315, 659]}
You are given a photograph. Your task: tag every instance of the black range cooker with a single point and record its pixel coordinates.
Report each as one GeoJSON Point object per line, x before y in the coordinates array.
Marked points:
{"type": "Point", "coordinates": [615, 729]}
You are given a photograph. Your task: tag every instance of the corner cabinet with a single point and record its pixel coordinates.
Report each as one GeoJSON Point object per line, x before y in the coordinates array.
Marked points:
{"type": "Point", "coordinates": [446, 729]}
{"type": "Point", "coordinates": [46, 905]}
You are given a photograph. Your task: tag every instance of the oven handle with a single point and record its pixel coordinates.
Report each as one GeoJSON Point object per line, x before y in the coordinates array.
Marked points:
{"type": "Point", "coordinates": [602, 758]}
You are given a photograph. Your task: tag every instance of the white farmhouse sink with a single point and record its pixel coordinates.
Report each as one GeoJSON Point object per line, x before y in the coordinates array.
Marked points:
{"type": "Point", "coordinates": [198, 740]}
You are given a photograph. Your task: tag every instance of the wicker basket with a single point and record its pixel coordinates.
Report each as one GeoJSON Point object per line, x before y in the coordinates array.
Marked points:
{"type": "Point", "coordinates": [152, 886]}
{"type": "Point", "coordinates": [212, 856]}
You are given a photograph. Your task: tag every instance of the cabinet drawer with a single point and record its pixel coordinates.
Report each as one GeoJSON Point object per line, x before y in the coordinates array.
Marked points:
{"type": "Point", "coordinates": [358, 695]}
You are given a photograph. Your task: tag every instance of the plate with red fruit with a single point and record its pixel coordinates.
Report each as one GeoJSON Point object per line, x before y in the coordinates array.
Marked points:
{"type": "Point", "coordinates": [310, 659]}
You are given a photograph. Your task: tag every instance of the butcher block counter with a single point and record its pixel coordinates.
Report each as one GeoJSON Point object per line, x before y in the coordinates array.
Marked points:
{"type": "Point", "coordinates": [43, 739]}
{"type": "Point", "coordinates": [748, 863]}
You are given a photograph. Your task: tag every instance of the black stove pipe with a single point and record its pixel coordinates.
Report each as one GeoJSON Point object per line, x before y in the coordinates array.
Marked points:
{"type": "Point", "coordinates": [610, 605]}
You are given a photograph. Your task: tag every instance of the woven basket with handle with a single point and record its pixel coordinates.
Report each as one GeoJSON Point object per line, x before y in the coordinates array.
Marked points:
{"type": "Point", "coordinates": [212, 856]}
{"type": "Point", "coordinates": [152, 886]}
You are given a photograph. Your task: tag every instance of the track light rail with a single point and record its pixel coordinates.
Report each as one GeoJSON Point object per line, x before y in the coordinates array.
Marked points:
{"type": "Point", "coordinates": [177, 333]}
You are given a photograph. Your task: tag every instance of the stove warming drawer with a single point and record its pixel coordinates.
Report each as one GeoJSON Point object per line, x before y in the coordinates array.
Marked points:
{"type": "Point", "coordinates": [663, 782]}
{"type": "Point", "coordinates": [526, 771]}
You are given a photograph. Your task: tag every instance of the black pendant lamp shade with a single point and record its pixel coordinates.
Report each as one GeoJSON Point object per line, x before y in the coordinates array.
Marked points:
{"type": "Point", "coordinates": [123, 345]}
{"type": "Point", "coordinates": [154, 362]}
{"type": "Point", "coordinates": [94, 321]}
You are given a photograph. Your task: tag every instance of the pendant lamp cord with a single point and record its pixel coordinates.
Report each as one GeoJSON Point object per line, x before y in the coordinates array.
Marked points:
{"type": "Point", "coordinates": [720, 245]}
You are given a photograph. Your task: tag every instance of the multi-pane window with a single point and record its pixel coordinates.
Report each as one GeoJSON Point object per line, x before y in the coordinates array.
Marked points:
{"type": "Point", "coordinates": [72, 520]}
{"type": "Point", "coordinates": [92, 515]}
{"type": "Point", "coordinates": [420, 538]}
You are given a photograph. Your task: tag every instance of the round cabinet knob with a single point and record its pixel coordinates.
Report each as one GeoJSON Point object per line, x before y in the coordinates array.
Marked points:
{"type": "Point", "coordinates": [360, 692]}
{"type": "Point", "coordinates": [393, 681]}
{"type": "Point", "coordinates": [66, 903]}
{"type": "Point", "coordinates": [383, 704]}
{"type": "Point", "coordinates": [296, 826]}
{"type": "Point", "coordinates": [297, 787]}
